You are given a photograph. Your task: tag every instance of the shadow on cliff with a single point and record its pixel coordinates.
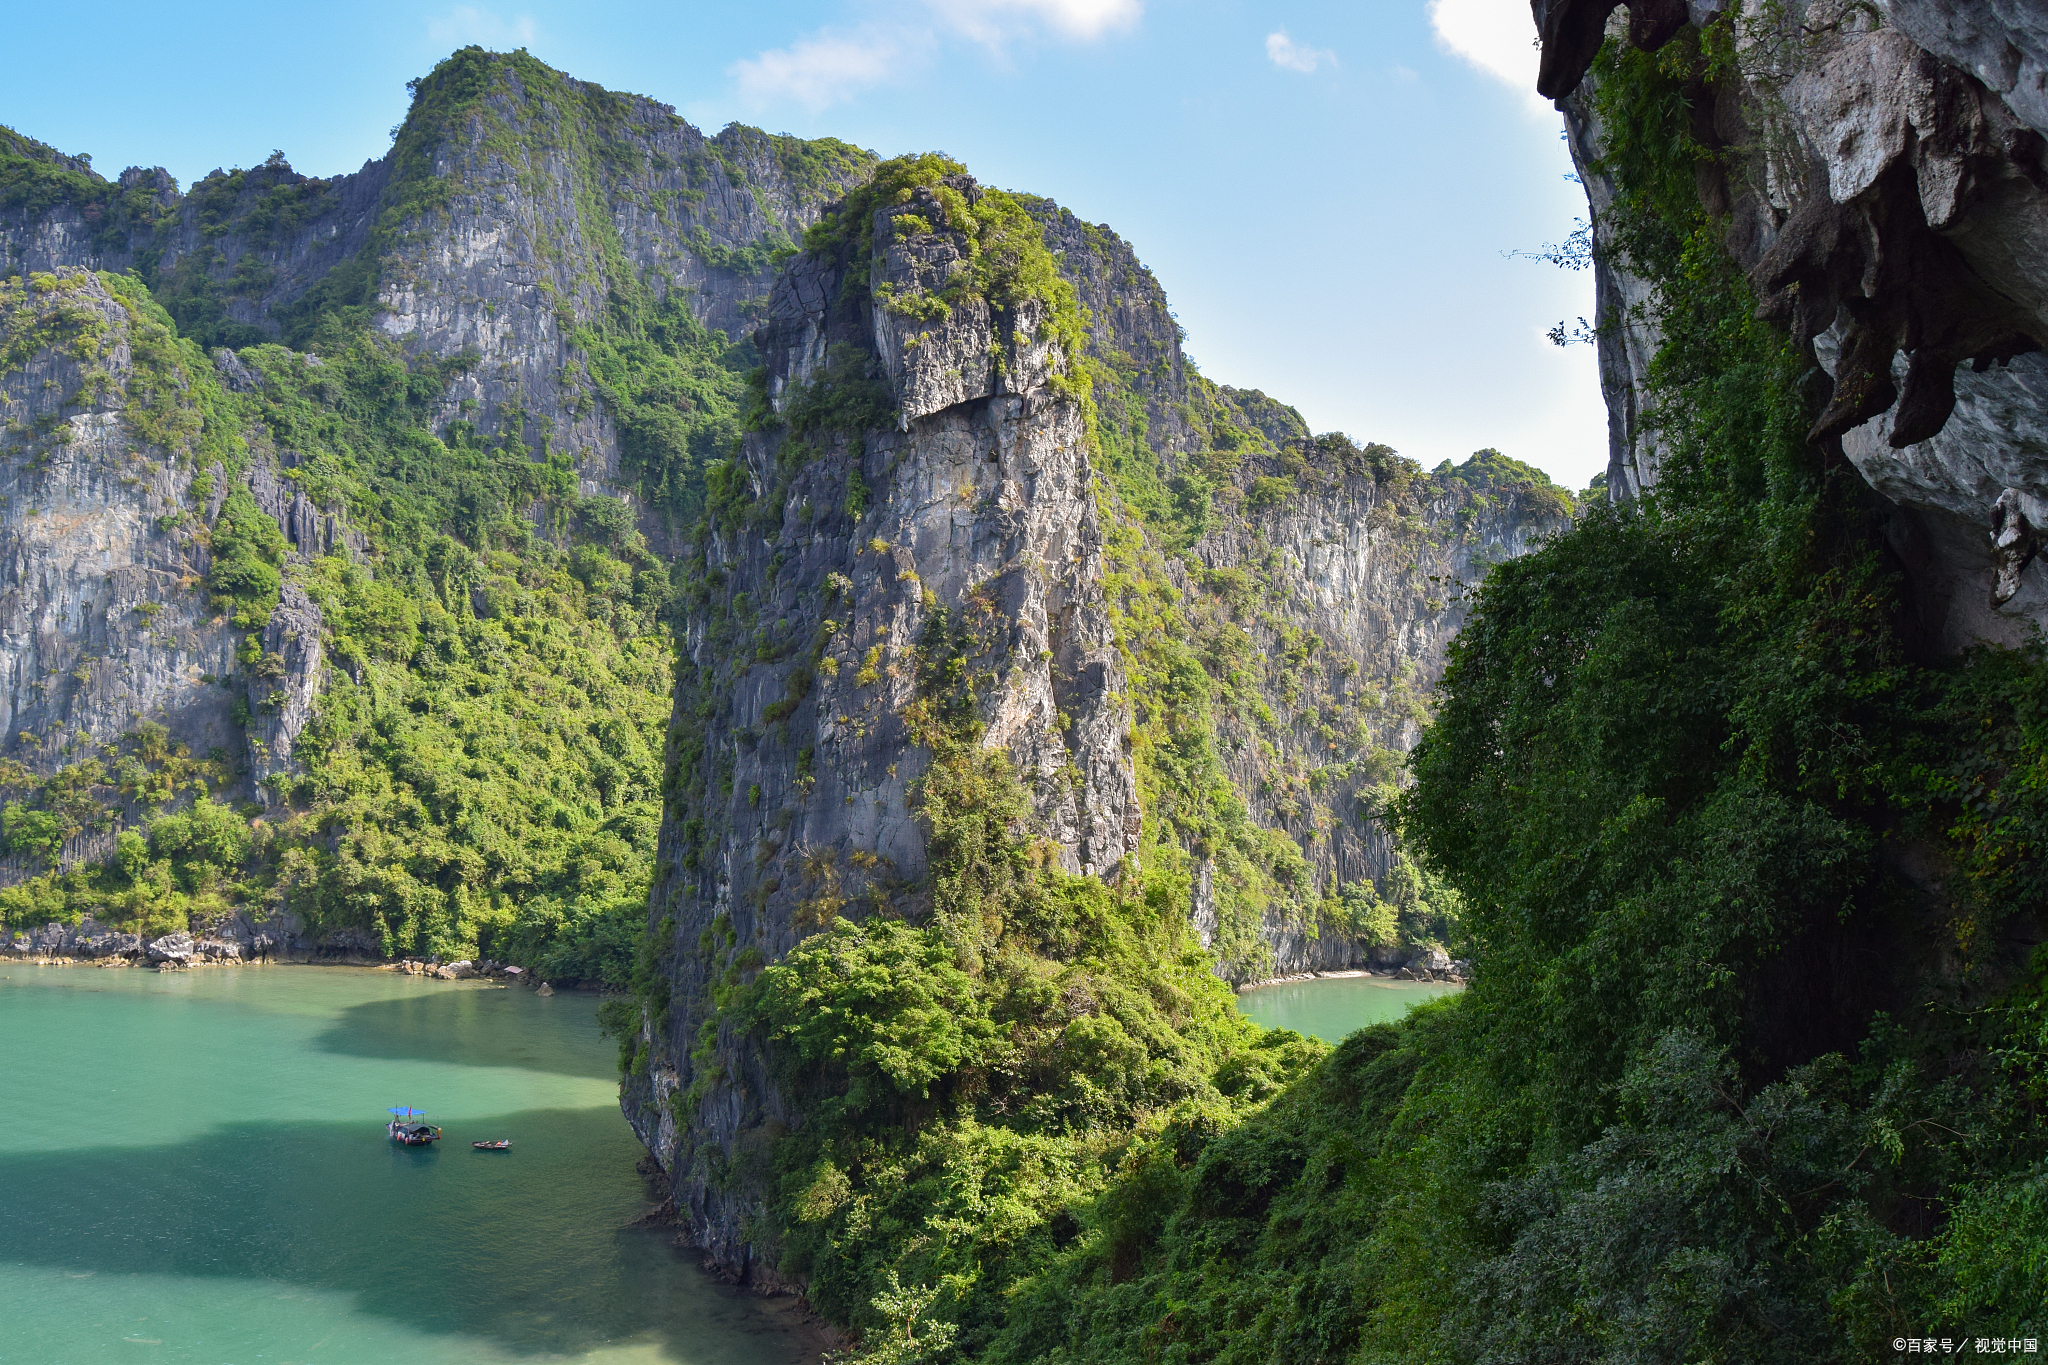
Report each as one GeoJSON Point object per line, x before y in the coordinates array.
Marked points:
{"type": "Point", "coordinates": [526, 1250]}
{"type": "Point", "coordinates": [477, 1026]}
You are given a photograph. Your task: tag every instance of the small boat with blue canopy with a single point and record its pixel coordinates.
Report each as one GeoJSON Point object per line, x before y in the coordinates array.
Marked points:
{"type": "Point", "coordinates": [409, 1127]}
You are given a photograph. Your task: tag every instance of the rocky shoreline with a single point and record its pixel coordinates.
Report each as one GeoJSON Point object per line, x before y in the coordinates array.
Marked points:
{"type": "Point", "coordinates": [237, 941]}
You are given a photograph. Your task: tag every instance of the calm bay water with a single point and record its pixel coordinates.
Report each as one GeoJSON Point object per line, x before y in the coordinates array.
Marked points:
{"type": "Point", "coordinates": [1332, 1006]}
{"type": "Point", "coordinates": [193, 1167]}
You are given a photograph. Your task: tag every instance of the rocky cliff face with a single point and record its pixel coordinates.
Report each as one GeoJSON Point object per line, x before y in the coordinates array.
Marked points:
{"type": "Point", "coordinates": [918, 474]}
{"type": "Point", "coordinates": [1333, 575]}
{"type": "Point", "coordinates": [515, 210]}
{"type": "Point", "coordinates": [516, 207]}
{"type": "Point", "coordinates": [1884, 185]}
{"type": "Point", "coordinates": [99, 626]}
{"type": "Point", "coordinates": [921, 484]}
{"type": "Point", "coordinates": [1349, 592]}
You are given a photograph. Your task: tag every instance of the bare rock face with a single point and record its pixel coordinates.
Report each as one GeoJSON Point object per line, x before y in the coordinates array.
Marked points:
{"type": "Point", "coordinates": [99, 623]}
{"type": "Point", "coordinates": [105, 621]}
{"type": "Point", "coordinates": [175, 948]}
{"type": "Point", "coordinates": [282, 686]}
{"type": "Point", "coordinates": [1346, 589]}
{"type": "Point", "coordinates": [974, 349]}
{"type": "Point", "coordinates": [1340, 564]}
{"type": "Point", "coordinates": [1896, 219]}
{"type": "Point", "coordinates": [930, 473]}
{"type": "Point", "coordinates": [535, 194]}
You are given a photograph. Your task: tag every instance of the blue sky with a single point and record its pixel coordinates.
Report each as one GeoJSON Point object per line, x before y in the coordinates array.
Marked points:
{"type": "Point", "coordinates": [1327, 190]}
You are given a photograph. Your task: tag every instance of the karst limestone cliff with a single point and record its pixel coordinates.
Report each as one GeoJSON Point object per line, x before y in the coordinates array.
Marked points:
{"type": "Point", "coordinates": [495, 236]}
{"type": "Point", "coordinates": [1881, 177]}
{"type": "Point", "coordinates": [931, 493]}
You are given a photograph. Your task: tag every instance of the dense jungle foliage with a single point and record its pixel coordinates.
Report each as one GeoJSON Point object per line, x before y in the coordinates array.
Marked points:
{"type": "Point", "coordinates": [482, 774]}
{"type": "Point", "coordinates": [967, 1076]}
{"type": "Point", "coordinates": [973, 1054]}
{"type": "Point", "coordinates": [1754, 1060]}
{"type": "Point", "coordinates": [1752, 1065]}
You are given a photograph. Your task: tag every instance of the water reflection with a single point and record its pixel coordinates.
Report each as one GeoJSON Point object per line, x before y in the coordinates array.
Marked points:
{"type": "Point", "coordinates": [476, 1026]}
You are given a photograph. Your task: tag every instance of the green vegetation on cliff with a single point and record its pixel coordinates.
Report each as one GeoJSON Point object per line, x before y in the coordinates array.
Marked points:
{"type": "Point", "coordinates": [997, 1062]}
{"type": "Point", "coordinates": [967, 1078]}
{"type": "Point", "coordinates": [1754, 1059]}
{"type": "Point", "coordinates": [1007, 262]}
{"type": "Point", "coordinates": [482, 772]}
{"type": "Point", "coordinates": [1752, 1065]}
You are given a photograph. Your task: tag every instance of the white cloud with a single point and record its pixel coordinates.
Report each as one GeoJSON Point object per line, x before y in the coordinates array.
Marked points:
{"type": "Point", "coordinates": [830, 66]}
{"type": "Point", "coordinates": [466, 24]}
{"type": "Point", "coordinates": [825, 68]}
{"type": "Point", "coordinates": [1497, 36]}
{"type": "Point", "coordinates": [1282, 50]}
{"type": "Point", "coordinates": [998, 21]}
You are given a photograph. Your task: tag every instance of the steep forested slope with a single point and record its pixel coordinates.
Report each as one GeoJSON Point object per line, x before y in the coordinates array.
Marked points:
{"type": "Point", "coordinates": [388, 650]}
{"type": "Point", "coordinates": [1029, 683]}
{"type": "Point", "coordinates": [1751, 1065]}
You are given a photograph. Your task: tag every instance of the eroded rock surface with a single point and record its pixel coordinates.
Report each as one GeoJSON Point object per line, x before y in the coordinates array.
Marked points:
{"type": "Point", "coordinates": [977, 510]}
{"type": "Point", "coordinates": [482, 242]}
{"type": "Point", "coordinates": [929, 488]}
{"type": "Point", "coordinates": [99, 626]}
{"type": "Point", "coordinates": [499, 262]}
{"type": "Point", "coordinates": [1891, 205]}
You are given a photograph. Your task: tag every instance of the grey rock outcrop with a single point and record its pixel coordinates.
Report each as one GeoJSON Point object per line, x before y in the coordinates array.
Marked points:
{"type": "Point", "coordinates": [177, 948]}
{"type": "Point", "coordinates": [976, 349]}
{"type": "Point", "coordinates": [244, 937]}
{"type": "Point", "coordinates": [104, 621]}
{"type": "Point", "coordinates": [978, 512]}
{"type": "Point", "coordinates": [960, 498]}
{"type": "Point", "coordinates": [1341, 563]}
{"type": "Point", "coordinates": [87, 940]}
{"type": "Point", "coordinates": [99, 625]}
{"type": "Point", "coordinates": [227, 938]}
{"type": "Point", "coordinates": [282, 685]}
{"type": "Point", "coordinates": [1891, 206]}
{"type": "Point", "coordinates": [475, 237]}
{"type": "Point", "coordinates": [108, 943]}
{"type": "Point", "coordinates": [52, 940]}
{"type": "Point", "coordinates": [1359, 565]}
{"type": "Point", "coordinates": [347, 942]}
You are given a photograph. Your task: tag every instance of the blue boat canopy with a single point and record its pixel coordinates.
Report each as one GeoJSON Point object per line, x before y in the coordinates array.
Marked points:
{"type": "Point", "coordinates": [407, 1112]}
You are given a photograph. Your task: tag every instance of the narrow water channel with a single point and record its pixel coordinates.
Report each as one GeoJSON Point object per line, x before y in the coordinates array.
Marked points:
{"type": "Point", "coordinates": [1330, 1007]}
{"type": "Point", "coordinates": [194, 1167]}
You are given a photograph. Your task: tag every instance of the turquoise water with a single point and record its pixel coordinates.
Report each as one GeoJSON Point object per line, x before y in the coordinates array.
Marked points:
{"type": "Point", "coordinates": [193, 1167]}
{"type": "Point", "coordinates": [1332, 1006]}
